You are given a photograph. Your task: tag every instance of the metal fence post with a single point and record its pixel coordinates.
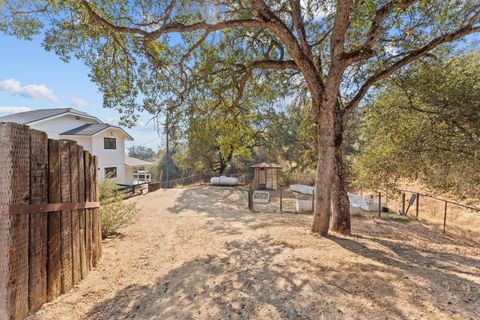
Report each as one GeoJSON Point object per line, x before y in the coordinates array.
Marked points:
{"type": "Point", "coordinates": [403, 203]}
{"type": "Point", "coordinates": [445, 217]}
{"type": "Point", "coordinates": [379, 204]}
{"type": "Point", "coordinates": [281, 200]}
{"type": "Point", "coordinates": [250, 198]}
{"type": "Point", "coordinates": [417, 207]}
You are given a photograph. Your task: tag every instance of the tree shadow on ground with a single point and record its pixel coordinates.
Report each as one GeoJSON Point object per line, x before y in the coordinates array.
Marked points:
{"type": "Point", "coordinates": [445, 280]}
{"type": "Point", "coordinates": [387, 270]}
{"type": "Point", "coordinates": [230, 205]}
{"type": "Point", "coordinates": [262, 278]}
{"type": "Point", "coordinates": [249, 282]}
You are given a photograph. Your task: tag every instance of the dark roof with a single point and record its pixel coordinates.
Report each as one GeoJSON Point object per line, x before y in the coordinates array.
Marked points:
{"type": "Point", "coordinates": [267, 165]}
{"type": "Point", "coordinates": [40, 114]}
{"type": "Point", "coordinates": [86, 130]}
{"type": "Point", "coordinates": [91, 129]}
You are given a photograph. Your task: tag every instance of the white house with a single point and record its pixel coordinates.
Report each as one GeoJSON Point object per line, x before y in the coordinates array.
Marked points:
{"type": "Point", "coordinates": [105, 141]}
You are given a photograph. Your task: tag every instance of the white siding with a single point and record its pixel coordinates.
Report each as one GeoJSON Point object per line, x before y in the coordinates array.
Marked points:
{"type": "Point", "coordinates": [53, 127]}
{"type": "Point", "coordinates": [128, 175]}
{"type": "Point", "coordinates": [110, 157]}
{"type": "Point", "coordinates": [106, 157]}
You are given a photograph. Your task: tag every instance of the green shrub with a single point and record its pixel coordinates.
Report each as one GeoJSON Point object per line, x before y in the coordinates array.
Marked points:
{"type": "Point", "coordinates": [115, 213]}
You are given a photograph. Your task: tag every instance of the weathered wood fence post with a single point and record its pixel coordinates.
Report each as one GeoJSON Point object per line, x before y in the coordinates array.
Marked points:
{"type": "Point", "coordinates": [50, 229]}
{"type": "Point", "coordinates": [54, 266]}
{"type": "Point", "coordinates": [14, 228]}
{"type": "Point", "coordinates": [37, 280]}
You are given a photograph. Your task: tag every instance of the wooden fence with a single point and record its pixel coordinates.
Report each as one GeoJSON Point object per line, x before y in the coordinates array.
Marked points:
{"type": "Point", "coordinates": [50, 233]}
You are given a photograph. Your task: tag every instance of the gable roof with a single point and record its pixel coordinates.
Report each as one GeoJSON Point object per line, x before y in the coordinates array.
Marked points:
{"type": "Point", "coordinates": [92, 129]}
{"type": "Point", "coordinates": [134, 162]}
{"type": "Point", "coordinates": [267, 165]}
{"type": "Point", "coordinates": [41, 114]}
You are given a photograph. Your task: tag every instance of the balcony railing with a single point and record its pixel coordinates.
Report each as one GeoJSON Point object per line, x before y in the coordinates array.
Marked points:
{"type": "Point", "coordinates": [141, 177]}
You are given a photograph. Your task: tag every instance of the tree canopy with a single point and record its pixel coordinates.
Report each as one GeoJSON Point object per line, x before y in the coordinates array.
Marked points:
{"type": "Point", "coordinates": [141, 152]}
{"type": "Point", "coordinates": [425, 126]}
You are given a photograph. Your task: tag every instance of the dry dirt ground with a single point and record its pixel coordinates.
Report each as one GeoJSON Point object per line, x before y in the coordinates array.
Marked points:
{"type": "Point", "coordinates": [198, 253]}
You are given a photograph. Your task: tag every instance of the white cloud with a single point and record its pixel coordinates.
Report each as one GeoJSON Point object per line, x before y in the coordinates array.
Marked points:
{"type": "Point", "coordinates": [13, 109]}
{"type": "Point", "coordinates": [141, 125]}
{"type": "Point", "coordinates": [79, 102]}
{"type": "Point", "coordinates": [36, 91]}
{"type": "Point", "coordinates": [111, 121]}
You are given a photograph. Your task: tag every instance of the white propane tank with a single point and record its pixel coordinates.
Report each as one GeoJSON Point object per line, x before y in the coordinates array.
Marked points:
{"type": "Point", "coordinates": [224, 181]}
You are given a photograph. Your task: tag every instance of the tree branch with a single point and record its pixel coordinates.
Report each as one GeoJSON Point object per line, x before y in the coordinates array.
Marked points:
{"type": "Point", "coordinates": [412, 56]}
{"type": "Point", "coordinates": [366, 51]}
{"type": "Point", "coordinates": [194, 47]}
{"type": "Point", "coordinates": [169, 27]}
{"type": "Point", "coordinates": [261, 64]}
{"type": "Point", "coordinates": [342, 20]}
{"type": "Point", "coordinates": [322, 38]}
{"type": "Point", "coordinates": [299, 26]}
{"type": "Point", "coordinates": [301, 58]}
{"type": "Point", "coordinates": [337, 66]}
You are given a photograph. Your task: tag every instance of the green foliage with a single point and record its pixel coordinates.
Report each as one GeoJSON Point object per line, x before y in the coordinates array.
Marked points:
{"type": "Point", "coordinates": [141, 152]}
{"type": "Point", "coordinates": [114, 212]}
{"type": "Point", "coordinates": [425, 126]}
{"type": "Point", "coordinates": [395, 218]}
{"type": "Point", "coordinates": [215, 137]}
{"type": "Point", "coordinates": [158, 170]}
{"type": "Point", "coordinates": [291, 136]}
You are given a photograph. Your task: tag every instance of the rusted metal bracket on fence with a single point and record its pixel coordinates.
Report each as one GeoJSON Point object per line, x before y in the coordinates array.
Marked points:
{"type": "Point", "coordinates": [46, 207]}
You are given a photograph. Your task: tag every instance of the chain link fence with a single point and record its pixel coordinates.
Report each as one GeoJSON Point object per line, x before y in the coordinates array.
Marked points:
{"type": "Point", "coordinates": [202, 178]}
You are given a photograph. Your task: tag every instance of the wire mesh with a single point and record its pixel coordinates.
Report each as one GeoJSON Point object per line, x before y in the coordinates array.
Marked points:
{"type": "Point", "coordinates": [285, 201]}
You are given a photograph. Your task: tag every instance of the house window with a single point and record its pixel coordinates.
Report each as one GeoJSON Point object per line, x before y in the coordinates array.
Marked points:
{"type": "Point", "coordinates": [110, 143]}
{"type": "Point", "coordinates": [111, 172]}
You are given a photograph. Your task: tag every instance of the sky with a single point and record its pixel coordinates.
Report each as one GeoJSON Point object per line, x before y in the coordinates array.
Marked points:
{"type": "Point", "coordinates": [32, 78]}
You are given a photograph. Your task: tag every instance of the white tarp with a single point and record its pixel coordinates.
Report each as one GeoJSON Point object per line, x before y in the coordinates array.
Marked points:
{"type": "Point", "coordinates": [301, 188]}
{"type": "Point", "coordinates": [303, 205]}
{"type": "Point", "coordinates": [224, 181]}
{"type": "Point", "coordinates": [357, 202]}
{"type": "Point", "coordinates": [365, 203]}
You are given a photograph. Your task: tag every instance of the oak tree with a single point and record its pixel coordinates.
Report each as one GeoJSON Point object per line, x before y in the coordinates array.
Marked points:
{"type": "Point", "coordinates": [156, 55]}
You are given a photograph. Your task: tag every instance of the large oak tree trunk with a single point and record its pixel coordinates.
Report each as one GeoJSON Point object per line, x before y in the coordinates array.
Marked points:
{"type": "Point", "coordinates": [325, 170]}
{"type": "Point", "coordinates": [340, 220]}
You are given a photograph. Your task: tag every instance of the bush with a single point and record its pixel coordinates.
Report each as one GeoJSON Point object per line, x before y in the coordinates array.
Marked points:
{"type": "Point", "coordinates": [290, 176]}
{"type": "Point", "coordinates": [115, 213]}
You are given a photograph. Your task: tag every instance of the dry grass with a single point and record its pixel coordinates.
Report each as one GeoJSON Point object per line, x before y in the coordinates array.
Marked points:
{"type": "Point", "coordinates": [198, 253]}
{"type": "Point", "coordinates": [461, 222]}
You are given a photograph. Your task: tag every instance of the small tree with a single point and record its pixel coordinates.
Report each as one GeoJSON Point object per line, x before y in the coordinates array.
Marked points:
{"type": "Point", "coordinates": [114, 212]}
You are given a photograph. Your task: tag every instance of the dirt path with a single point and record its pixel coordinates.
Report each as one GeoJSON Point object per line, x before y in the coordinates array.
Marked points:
{"type": "Point", "coordinates": [197, 253]}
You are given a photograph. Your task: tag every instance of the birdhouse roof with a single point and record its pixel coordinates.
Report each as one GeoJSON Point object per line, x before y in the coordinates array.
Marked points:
{"type": "Point", "coordinates": [268, 165]}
